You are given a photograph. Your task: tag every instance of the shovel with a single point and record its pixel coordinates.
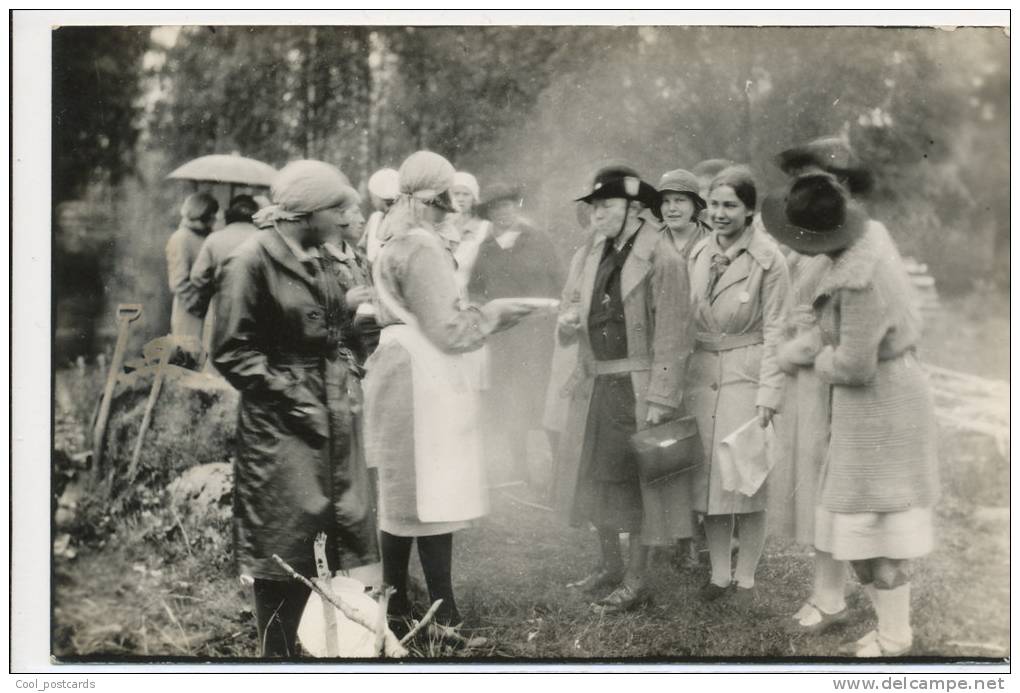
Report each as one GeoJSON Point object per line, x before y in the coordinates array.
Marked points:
{"type": "Point", "coordinates": [127, 313]}
{"type": "Point", "coordinates": [157, 384]}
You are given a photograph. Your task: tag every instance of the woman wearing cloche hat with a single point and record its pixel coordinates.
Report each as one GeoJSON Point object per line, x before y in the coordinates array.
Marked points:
{"type": "Point", "coordinates": [628, 315]}
{"type": "Point", "coordinates": [681, 209]}
{"type": "Point", "coordinates": [879, 481]}
{"type": "Point", "coordinates": [740, 289]}
{"type": "Point", "coordinates": [422, 390]}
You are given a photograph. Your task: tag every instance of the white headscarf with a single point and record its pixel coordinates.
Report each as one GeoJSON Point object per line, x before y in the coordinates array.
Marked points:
{"type": "Point", "coordinates": [423, 177]}
{"type": "Point", "coordinates": [303, 187]}
{"type": "Point", "coordinates": [385, 184]}
{"type": "Point", "coordinates": [463, 179]}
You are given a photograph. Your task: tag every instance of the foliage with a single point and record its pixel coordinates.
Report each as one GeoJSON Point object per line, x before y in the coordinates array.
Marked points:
{"type": "Point", "coordinates": [96, 86]}
{"type": "Point", "coordinates": [542, 106]}
{"type": "Point", "coordinates": [273, 93]}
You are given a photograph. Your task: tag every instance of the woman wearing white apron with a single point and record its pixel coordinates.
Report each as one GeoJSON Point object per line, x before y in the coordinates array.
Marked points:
{"type": "Point", "coordinates": [422, 390]}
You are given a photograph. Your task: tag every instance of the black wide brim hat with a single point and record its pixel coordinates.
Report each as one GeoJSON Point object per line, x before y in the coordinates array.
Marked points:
{"type": "Point", "coordinates": [813, 214]}
{"type": "Point", "coordinates": [830, 154]}
{"type": "Point", "coordinates": [500, 194]}
{"type": "Point", "coordinates": [623, 182]}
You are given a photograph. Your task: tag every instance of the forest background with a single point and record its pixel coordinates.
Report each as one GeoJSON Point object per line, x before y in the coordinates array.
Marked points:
{"type": "Point", "coordinates": [536, 106]}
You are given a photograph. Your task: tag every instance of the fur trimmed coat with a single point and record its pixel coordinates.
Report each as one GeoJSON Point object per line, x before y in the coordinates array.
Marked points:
{"type": "Point", "coordinates": [882, 451]}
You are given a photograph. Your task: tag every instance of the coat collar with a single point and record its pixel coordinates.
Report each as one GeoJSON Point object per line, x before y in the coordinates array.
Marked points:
{"type": "Point", "coordinates": [855, 268]}
{"type": "Point", "coordinates": [760, 248]}
{"type": "Point", "coordinates": [284, 256]}
{"type": "Point", "coordinates": [639, 262]}
{"type": "Point", "coordinates": [635, 269]}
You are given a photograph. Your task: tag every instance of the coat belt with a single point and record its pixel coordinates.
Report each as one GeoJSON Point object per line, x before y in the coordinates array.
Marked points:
{"type": "Point", "coordinates": [627, 365]}
{"type": "Point", "coordinates": [712, 341]}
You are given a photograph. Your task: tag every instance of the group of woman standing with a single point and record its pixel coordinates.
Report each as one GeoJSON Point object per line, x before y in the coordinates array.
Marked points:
{"type": "Point", "coordinates": [800, 322]}
{"type": "Point", "coordinates": [668, 318]}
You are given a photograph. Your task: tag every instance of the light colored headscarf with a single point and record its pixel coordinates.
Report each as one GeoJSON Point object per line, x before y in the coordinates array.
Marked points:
{"type": "Point", "coordinates": [423, 177]}
{"type": "Point", "coordinates": [385, 184]}
{"type": "Point", "coordinates": [303, 187]}
{"type": "Point", "coordinates": [197, 210]}
{"type": "Point", "coordinates": [463, 179]}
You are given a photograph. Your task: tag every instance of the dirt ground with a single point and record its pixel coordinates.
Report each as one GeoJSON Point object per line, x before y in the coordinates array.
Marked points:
{"type": "Point", "coordinates": [151, 590]}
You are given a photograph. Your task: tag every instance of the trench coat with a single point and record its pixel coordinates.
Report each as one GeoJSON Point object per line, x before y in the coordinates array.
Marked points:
{"type": "Point", "coordinates": [656, 303]}
{"type": "Point", "coordinates": [205, 272]}
{"type": "Point", "coordinates": [188, 308]}
{"type": "Point", "coordinates": [802, 424]}
{"type": "Point", "coordinates": [277, 341]}
{"type": "Point", "coordinates": [726, 384]}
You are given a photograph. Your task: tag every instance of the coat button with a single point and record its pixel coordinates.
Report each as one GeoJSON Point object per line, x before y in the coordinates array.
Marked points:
{"type": "Point", "coordinates": [638, 327]}
{"type": "Point", "coordinates": [715, 386]}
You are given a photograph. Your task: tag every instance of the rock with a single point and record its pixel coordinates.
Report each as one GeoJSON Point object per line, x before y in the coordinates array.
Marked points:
{"type": "Point", "coordinates": [204, 491]}
{"type": "Point", "coordinates": [193, 423]}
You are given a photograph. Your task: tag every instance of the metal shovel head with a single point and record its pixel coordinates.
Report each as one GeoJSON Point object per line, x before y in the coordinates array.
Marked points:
{"type": "Point", "coordinates": [353, 639]}
{"type": "Point", "coordinates": [129, 311]}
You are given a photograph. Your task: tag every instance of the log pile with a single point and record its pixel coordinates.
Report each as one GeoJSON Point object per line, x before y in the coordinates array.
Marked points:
{"type": "Point", "coordinates": [924, 286]}
{"type": "Point", "coordinates": [971, 403]}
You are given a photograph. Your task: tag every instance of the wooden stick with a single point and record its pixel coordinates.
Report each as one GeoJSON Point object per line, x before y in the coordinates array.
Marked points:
{"type": "Point", "coordinates": [423, 622]}
{"type": "Point", "coordinates": [381, 625]}
{"type": "Point", "coordinates": [325, 594]}
{"type": "Point", "coordinates": [328, 612]}
{"type": "Point", "coordinates": [529, 504]}
{"type": "Point", "coordinates": [150, 405]}
{"type": "Point", "coordinates": [177, 623]}
{"type": "Point", "coordinates": [184, 532]}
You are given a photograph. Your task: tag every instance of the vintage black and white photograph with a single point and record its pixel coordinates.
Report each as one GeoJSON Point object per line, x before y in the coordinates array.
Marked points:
{"type": "Point", "coordinates": [497, 341]}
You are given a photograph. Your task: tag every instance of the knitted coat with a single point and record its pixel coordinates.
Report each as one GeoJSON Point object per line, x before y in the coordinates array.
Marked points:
{"type": "Point", "coordinates": [882, 455]}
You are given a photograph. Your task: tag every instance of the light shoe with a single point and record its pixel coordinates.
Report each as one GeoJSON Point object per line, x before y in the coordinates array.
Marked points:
{"type": "Point", "coordinates": [871, 646]}
{"type": "Point", "coordinates": [812, 620]}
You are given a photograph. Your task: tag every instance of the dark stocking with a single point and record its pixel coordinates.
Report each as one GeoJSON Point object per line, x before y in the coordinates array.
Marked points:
{"type": "Point", "coordinates": [436, 553]}
{"type": "Point", "coordinates": [396, 552]}
{"type": "Point", "coordinates": [278, 607]}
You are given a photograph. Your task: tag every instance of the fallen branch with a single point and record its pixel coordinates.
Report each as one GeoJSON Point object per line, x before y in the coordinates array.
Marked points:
{"type": "Point", "coordinates": [423, 622]}
{"type": "Point", "coordinates": [528, 504]}
{"type": "Point", "coordinates": [381, 625]}
{"type": "Point", "coordinates": [184, 532]}
{"type": "Point", "coordinates": [177, 623]}
{"type": "Point", "coordinates": [326, 594]}
{"type": "Point", "coordinates": [391, 646]}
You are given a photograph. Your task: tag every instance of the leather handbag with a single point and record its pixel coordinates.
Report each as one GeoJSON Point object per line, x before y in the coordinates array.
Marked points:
{"type": "Point", "coordinates": [668, 449]}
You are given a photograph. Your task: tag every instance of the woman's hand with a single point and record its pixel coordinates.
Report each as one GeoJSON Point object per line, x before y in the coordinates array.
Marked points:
{"type": "Point", "coordinates": [802, 349]}
{"type": "Point", "coordinates": [569, 321]}
{"type": "Point", "coordinates": [657, 413]}
{"type": "Point", "coordinates": [765, 415]}
{"type": "Point", "coordinates": [358, 295]}
{"type": "Point", "coordinates": [510, 312]}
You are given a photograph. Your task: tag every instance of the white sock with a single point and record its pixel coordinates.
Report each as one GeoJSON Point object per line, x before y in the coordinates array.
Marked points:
{"type": "Point", "coordinates": [893, 608]}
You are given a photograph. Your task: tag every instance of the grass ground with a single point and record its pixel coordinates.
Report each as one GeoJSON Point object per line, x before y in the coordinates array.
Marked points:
{"type": "Point", "coordinates": [143, 594]}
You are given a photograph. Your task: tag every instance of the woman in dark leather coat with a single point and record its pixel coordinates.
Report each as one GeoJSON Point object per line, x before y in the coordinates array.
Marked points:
{"type": "Point", "coordinates": [281, 342]}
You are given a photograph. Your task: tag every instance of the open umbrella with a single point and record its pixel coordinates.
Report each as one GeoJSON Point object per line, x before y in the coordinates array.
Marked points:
{"type": "Point", "coordinates": [226, 168]}
{"type": "Point", "coordinates": [229, 169]}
